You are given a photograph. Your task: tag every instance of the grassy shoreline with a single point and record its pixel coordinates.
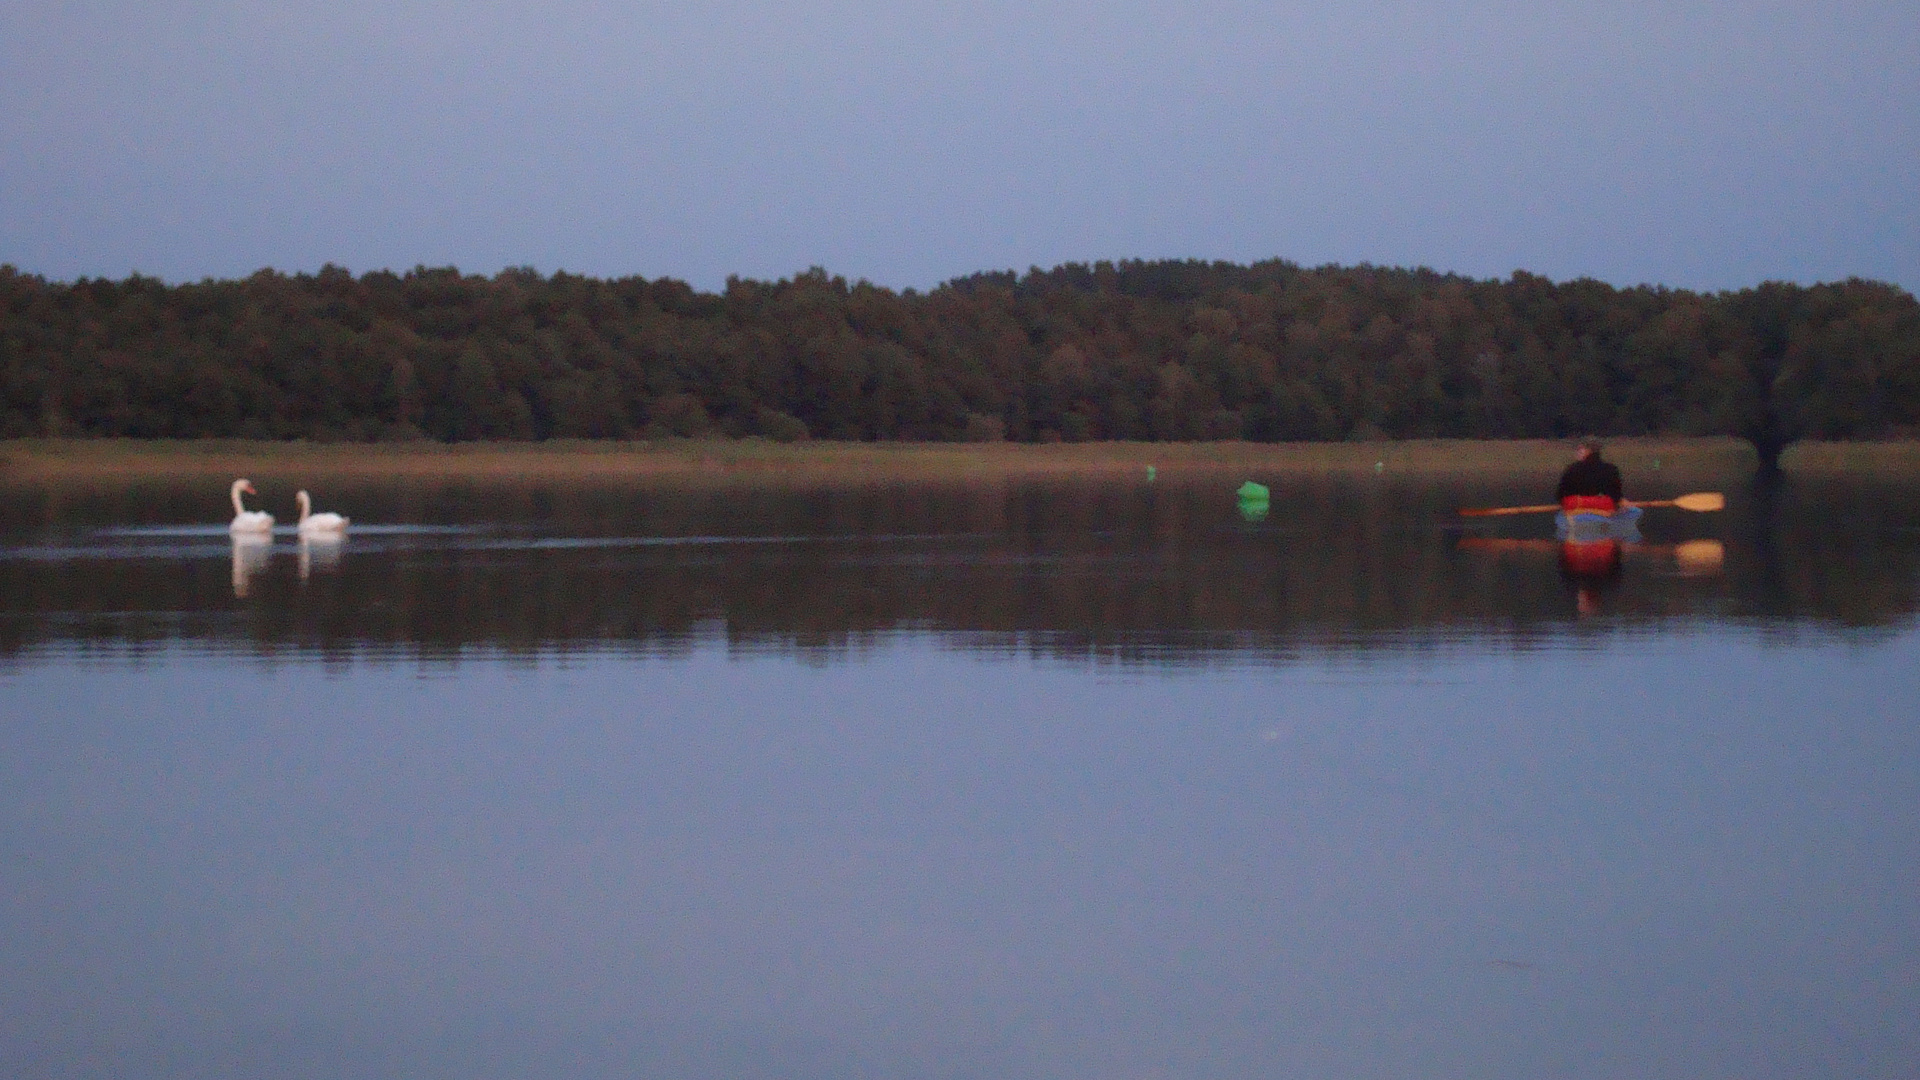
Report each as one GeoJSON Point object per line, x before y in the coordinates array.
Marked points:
{"type": "Point", "coordinates": [46, 460]}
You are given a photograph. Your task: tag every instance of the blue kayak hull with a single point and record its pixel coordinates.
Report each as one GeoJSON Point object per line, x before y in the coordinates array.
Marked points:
{"type": "Point", "coordinates": [1622, 524]}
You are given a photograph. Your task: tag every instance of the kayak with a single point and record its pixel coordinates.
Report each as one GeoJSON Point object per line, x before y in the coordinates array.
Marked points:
{"type": "Point", "coordinates": [1578, 525]}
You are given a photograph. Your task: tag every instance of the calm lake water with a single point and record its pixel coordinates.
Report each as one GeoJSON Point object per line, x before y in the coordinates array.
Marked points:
{"type": "Point", "coordinates": [1005, 780]}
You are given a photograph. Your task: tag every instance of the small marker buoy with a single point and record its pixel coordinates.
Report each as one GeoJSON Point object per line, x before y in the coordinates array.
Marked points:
{"type": "Point", "coordinates": [1150, 474]}
{"type": "Point", "coordinates": [1379, 466]}
{"type": "Point", "coordinates": [1253, 500]}
{"type": "Point", "coordinates": [1252, 492]}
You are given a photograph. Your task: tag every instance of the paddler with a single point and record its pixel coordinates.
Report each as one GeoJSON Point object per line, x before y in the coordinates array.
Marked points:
{"type": "Point", "coordinates": [1591, 483]}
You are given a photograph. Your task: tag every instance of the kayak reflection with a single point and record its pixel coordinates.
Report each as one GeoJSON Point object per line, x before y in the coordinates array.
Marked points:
{"type": "Point", "coordinates": [1593, 566]}
{"type": "Point", "coordinates": [1690, 558]}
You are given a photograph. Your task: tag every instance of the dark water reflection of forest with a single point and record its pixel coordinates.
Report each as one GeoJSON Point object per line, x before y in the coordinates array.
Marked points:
{"type": "Point", "coordinates": [1171, 572]}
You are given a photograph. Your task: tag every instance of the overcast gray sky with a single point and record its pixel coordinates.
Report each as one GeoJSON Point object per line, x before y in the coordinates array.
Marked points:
{"type": "Point", "coordinates": [1702, 145]}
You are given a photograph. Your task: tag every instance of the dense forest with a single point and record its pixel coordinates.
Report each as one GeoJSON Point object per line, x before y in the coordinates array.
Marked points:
{"type": "Point", "coordinates": [1165, 350]}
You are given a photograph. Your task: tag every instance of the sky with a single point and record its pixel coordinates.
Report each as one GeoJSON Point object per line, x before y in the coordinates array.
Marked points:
{"type": "Point", "coordinates": [1698, 145]}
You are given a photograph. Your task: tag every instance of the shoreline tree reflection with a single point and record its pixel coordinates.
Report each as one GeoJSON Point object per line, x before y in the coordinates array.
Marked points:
{"type": "Point", "coordinates": [1169, 573]}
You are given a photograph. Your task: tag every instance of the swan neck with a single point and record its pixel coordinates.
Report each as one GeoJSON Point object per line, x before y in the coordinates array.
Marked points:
{"type": "Point", "coordinates": [306, 506]}
{"type": "Point", "coordinates": [234, 494]}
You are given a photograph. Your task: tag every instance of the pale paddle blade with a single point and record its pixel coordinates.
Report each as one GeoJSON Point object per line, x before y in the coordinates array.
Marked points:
{"type": "Point", "coordinates": [1700, 556]}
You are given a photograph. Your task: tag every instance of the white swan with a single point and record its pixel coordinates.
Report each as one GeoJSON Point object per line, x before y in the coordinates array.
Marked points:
{"type": "Point", "coordinates": [312, 524]}
{"type": "Point", "coordinates": [245, 520]}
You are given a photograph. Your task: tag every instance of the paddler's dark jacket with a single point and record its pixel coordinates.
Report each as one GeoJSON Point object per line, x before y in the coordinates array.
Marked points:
{"type": "Point", "coordinates": [1591, 477]}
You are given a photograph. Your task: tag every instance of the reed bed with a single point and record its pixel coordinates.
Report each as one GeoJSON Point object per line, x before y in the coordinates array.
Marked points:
{"type": "Point", "coordinates": [758, 462]}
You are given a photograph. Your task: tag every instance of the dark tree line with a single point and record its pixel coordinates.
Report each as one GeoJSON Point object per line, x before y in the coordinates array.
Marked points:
{"type": "Point", "coordinates": [1134, 350]}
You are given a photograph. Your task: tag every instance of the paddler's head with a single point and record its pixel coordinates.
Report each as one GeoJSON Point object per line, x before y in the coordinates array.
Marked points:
{"type": "Point", "coordinates": [1589, 448]}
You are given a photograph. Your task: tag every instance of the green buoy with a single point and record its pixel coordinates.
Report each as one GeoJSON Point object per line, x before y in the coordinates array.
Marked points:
{"type": "Point", "coordinates": [1150, 474]}
{"type": "Point", "coordinates": [1253, 500]}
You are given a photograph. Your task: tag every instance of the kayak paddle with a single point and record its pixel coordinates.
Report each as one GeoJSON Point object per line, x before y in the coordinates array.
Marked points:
{"type": "Point", "coordinates": [1699, 502]}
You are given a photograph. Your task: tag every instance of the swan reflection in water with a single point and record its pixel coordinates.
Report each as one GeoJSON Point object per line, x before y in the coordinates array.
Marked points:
{"type": "Point", "coordinates": [320, 551]}
{"type": "Point", "coordinates": [250, 551]}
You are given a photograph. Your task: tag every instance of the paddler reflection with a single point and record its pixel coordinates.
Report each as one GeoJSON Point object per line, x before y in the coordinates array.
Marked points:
{"type": "Point", "coordinates": [1592, 568]}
